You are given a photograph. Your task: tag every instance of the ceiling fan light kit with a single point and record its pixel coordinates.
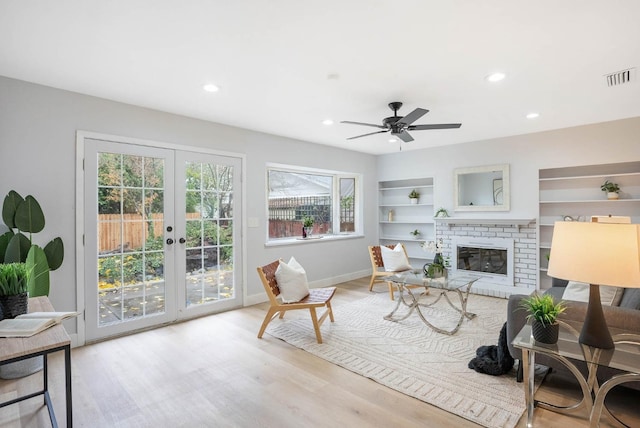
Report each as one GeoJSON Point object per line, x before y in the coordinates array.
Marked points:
{"type": "Point", "coordinates": [399, 125]}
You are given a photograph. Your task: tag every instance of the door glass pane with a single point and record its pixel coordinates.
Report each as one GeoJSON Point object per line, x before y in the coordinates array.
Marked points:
{"type": "Point", "coordinates": [209, 268]}
{"type": "Point", "coordinates": [130, 231]}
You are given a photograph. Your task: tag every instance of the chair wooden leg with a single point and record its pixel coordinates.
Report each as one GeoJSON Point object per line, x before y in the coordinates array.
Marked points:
{"type": "Point", "coordinates": [330, 309]}
{"type": "Point", "coordinates": [373, 279]}
{"type": "Point", "coordinates": [267, 320]}
{"type": "Point", "coordinates": [316, 326]}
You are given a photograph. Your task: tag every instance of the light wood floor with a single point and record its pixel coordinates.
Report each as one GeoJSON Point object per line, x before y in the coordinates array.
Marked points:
{"type": "Point", "coordinates": [215, 372]}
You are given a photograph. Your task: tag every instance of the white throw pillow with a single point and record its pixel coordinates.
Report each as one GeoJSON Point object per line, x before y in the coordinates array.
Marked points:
{"type": "Point", "coordinates": [394, 260]}
{"type": "Point", "coordinates": [579, 292]}
{"type": "Point", "coordinates": [292, 281]}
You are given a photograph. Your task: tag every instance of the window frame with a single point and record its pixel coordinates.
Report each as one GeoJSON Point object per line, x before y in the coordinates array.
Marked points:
{"type": "Point", "coordinates": [335, 203]}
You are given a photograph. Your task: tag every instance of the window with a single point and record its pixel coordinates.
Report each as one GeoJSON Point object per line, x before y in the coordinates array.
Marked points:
{"type": "Point", "coordinates": [329, 198]}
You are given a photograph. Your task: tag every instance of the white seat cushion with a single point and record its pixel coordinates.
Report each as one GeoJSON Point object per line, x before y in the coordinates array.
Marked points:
{"type": "Point", "coordinates": [292, 281]}
{"type": "Point", "coordinates": [394, 260]}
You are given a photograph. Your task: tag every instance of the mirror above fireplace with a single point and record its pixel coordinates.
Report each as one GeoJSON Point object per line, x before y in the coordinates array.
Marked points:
{"type": "Point", "coordinates": [481, 188]}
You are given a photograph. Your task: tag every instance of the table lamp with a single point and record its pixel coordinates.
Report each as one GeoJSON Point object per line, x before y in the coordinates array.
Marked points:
{"type": "Point", "coordinates": [598, 254]}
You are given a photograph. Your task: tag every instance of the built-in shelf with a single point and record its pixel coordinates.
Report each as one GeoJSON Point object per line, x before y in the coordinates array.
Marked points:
{"type": "Point", "coordinates": [394, 204]}
{"type": "Point", "coordinates": [575, 192]}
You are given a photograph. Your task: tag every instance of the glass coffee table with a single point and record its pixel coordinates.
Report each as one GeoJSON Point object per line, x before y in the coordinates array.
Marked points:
{"type": "Point", "coordinates": [406, 281]}
{"type": "Point", "coordinates": [624, 357]}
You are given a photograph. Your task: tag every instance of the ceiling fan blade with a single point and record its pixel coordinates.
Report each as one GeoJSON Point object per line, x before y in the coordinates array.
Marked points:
{"type": "Point", "coordinates": [413, 116]}
{"type": "Point", "coordinates": [362, 123]}
{"type": "Point", "coordinates": [435, 126]}
{"type": "Point", "coordinates": [404, 136]}
{"type": "Point", "coordinates": [364, 135]}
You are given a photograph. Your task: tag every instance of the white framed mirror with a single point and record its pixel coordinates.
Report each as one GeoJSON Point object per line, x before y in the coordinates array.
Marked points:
{"type": "Point", "coordinates": [481, 188]}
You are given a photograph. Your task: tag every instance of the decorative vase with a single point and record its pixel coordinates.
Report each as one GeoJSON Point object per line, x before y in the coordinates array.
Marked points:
{"type": "Point", "coordinates": [14, 305]}
{"type": "Point", "coordinates": [307, 231]}
{"type": "Point", "coordinates": [438, 259]}
{"type": "Point", "coordinates": [414, 201]}
{"type": "Point", "coordinates": [545, 333]}
{"type": "Point", "coordinates": [612, 195]}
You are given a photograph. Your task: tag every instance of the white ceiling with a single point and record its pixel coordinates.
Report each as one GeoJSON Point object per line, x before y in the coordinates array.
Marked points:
{"type": "Point", "coordinates": [276, 61]}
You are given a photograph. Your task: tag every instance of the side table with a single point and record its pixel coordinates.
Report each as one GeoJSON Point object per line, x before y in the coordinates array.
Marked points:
{"type": "Point", "coordinates": [52, 340]}
{"type": "Point", "coordinates": [624, 357]}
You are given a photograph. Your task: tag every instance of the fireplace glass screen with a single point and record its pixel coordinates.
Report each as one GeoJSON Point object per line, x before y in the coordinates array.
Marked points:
{"type": "Point", "coordinates": [488, 260]}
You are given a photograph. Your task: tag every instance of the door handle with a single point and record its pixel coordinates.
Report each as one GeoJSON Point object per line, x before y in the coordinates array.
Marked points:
{"type": "Point", "coordinates": [182, 240]}
{"type": "Point", "coordinates": [169, 241]}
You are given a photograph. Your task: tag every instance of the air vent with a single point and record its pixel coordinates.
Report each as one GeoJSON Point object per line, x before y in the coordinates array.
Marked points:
{"type": "Point", "coordinates": [621, 77]}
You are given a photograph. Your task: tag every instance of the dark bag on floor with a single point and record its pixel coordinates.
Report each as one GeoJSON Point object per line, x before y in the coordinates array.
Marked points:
{"type": "Point", "coordinates": [493, 360]}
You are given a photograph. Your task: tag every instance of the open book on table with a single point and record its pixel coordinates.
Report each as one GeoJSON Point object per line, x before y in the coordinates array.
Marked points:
{"type": "Point", "coordinates": [26, 325]}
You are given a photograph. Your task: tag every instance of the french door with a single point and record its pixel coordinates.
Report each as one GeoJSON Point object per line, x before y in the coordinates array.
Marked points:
{"type": "Point", "coordinates": [162, 235]}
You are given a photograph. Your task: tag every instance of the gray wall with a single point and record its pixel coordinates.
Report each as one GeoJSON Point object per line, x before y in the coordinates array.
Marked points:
{"type": "Point", "coordinates": [608, 142]}
{"type": "Point", "coordinates": [38, 128]}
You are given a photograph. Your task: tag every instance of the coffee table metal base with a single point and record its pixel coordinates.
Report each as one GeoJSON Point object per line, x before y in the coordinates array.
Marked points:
{"type": "Point", "coordinates": [414, 305]}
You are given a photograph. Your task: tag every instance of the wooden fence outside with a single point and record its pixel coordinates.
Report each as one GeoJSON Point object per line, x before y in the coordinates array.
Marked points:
{"type": "Point", "coordinates": [129, 231]}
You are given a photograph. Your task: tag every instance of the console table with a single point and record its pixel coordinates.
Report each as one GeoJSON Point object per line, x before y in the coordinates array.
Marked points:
{"type": "Point", "coordinates": [624, 357]}
{"type": "Point", "coordinates": [52, 340]}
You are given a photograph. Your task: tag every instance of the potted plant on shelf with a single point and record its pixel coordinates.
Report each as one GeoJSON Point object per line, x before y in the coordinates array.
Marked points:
{"type": "Point", "coordinates": [543, 313]}
{"type": "Point", "coordinates": [307, 226]}
{"type": "Point", "coordinates": [612, 189]}
{"type": "Point", "coordinates": [414, 196]}
{"type": "Point", "coordinates": [415, 233]}
{"type": "Point", "coordinates": [442, 213]}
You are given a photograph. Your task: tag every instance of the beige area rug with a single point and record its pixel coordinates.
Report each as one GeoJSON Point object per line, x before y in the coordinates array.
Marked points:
{"type": "Point", "coordinates": [413, 359]}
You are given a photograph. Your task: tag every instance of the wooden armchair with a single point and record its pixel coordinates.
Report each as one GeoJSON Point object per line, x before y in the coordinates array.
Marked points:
{"type": "Point", "coordinates": [317, 298]}
{"type": "Point", "coordinates": [377, 265]}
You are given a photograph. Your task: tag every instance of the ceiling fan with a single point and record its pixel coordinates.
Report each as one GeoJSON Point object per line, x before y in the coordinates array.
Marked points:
{"type": "Point", "coordinates": [399, 125]}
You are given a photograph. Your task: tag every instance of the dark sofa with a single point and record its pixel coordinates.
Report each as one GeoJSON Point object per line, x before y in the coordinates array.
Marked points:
{"type": "Point", "coordinates": [626, 316]}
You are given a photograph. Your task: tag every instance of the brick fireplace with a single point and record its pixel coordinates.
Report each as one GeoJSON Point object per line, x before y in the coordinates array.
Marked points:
{"type": "Point", "coordinates": [496, 242]}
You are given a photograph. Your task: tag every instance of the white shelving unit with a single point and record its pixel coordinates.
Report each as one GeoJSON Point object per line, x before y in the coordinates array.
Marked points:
{"type": "Point", "coordinates": [394, 196]}
{"type": "Point", "coordinates": [575, 192]}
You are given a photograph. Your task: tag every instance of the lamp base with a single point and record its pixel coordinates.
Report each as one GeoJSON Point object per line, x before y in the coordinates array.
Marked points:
{"type": "Point", "coordinates": [595, 332]}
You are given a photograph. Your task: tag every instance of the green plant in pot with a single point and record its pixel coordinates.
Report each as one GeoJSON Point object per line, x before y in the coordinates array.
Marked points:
{"type": "Point", "coordinates": [24, 217]}
{"type": "Point", "coordinates": [543, 313]}
{"type": "Point", "coordinates": [414, 196]}
{"type": "Point", "coordinates": [307, 226]}
{"type": "Point", "coordinates": [14, 280]}
{"type": "Point", "coordinates": [612, 189]}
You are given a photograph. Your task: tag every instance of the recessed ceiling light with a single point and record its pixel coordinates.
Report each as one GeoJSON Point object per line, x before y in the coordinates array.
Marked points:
{"type": "Point", "coordinates": [393, 140]}
{"type": "Point", "coordinates": [327, 122]}
{"type": "Point", "coordinates": [495, 77]}
{"type": "Point", "coordinates": [210, 87]}
{"type": "Point", "coordinates": [532, 115]}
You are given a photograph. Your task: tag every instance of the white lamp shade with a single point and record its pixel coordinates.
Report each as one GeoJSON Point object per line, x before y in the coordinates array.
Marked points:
{"type": "Point", "coordinates": [596, 253]}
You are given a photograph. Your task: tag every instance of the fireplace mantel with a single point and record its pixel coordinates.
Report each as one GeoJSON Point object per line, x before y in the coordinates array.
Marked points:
{"type": "Point", "coordinates": [482, 221]}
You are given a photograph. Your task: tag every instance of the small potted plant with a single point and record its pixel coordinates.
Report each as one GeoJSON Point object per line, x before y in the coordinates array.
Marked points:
{"type": "Point", "coordinates": [307, 226]}
{"type": "Point", "coordinates": [612, 189]}
{"type": "Point", "coordinates": [413, 196]}
{"type": "Point", "coordinates": [415, 233]}
{"type": "Point", "coordinates": [543, 313]}
{"type": "Point", "coordinates": [442, 213]}
{"type": "Point", "coordinates": [14, 279]}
